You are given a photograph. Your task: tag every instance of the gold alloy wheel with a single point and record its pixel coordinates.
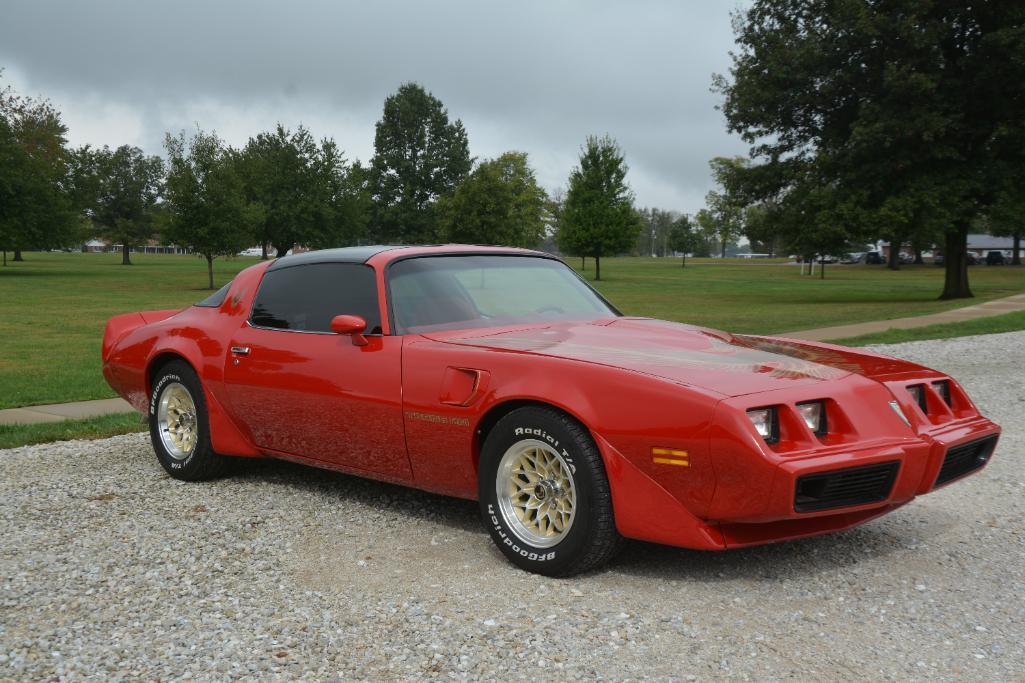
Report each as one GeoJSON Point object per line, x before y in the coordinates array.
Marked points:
{"type": "Point", "coordinates": [177, 422]}
{"type": "Point", "coordinates": [536, 493]}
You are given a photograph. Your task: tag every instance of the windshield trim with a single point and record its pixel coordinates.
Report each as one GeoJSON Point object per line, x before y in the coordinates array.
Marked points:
{"type": "Point", "coordinates": [393, 329]}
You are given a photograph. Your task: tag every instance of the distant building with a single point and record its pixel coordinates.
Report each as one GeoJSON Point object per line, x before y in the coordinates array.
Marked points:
{"type": "Point", "coordinates": [98, 245]}
{"type": "Point", "coordinates": [978, 244]}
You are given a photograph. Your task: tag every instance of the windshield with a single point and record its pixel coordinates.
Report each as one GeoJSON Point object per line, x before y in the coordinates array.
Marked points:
{"type": "Point", "coordinates": [455, 292]}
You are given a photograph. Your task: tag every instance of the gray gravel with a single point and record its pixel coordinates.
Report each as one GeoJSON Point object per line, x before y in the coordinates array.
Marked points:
{"type": "Point", "coordinates": [111, 569]}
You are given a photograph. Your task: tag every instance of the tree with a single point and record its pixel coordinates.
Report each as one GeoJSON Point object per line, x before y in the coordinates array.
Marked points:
{"type": "Point", "coordinates": [761, 229]}
{"type": "Point", "coordinates": [304, 188]}
{"type": "Point", "coordinates": [887, 116]}
{"type": "Point", "coordinates": [127, 186]}
{"type": "Point", "coordinates": [723, 219]}
{"type": "Point", "coordinates": [419, 156]}
{"type": "Point", "coordinates": [681, 237]}
{"type": "Point", "coordinates": [1006, 218]}
{"type": "Point", "coordinates": [656, 224]}
{"type": "Point", "coordinates": [36, 209]}
{"type": "Point", "coordinates": [208, 209]}
{"type": "Point", "coordinates": [498, 203]}
{"type": "Point", "coordinates": [599, 218]}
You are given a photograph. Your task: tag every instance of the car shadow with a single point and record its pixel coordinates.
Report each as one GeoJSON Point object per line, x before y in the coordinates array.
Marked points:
{"type": "Point", "coordinates": [808, 556]}
{"type": "Point", "coordinates": [452, 512]}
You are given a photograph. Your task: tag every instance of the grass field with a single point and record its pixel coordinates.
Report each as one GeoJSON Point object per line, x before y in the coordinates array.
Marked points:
{"type": "Point", "coordinates": [740, 296]}
{"type": "Point", "coordinates": [54, 306]}
{"type": "Point", "coordinates": [12, 436]}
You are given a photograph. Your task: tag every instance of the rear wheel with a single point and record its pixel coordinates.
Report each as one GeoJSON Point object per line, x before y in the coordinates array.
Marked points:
{"type": "Point", "coordinates": [544, 494]}
{"type": "Point", "coordinates": [179, 427]}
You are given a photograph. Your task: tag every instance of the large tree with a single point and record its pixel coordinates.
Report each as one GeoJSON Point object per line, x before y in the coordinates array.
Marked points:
{"type": "Point", "coordinates": [127, 186]}
{"type": "Point", "coordinates": [304, 189]}
{"type": "Point", "coordinates": [208, 208]}
{"type": "Point", "coordinates": [599, 218]}
{"type": "Point", "coordinates": [498, 203]}
{"type": "Point", "coordinates": [36, 207]}
{"type": "Point", "coordinates": [419, 156]}
{"type": "Point", "coordinates": [888, 116]}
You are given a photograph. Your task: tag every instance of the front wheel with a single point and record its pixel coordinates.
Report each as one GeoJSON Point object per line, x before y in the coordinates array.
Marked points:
{"type": "Point", "coordinates": [544, 494]}
{"type": "Point", "coordinates": [179, 427]}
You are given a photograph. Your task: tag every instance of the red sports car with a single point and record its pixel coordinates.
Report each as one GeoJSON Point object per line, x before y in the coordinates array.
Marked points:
{"type": "Point", "coordinates": [499, 375]}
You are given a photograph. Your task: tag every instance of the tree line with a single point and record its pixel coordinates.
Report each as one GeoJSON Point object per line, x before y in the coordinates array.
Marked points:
{"type": "Point", "coordinates": [285, 188]}
{"type": "Point", "coordinates": [899, 120]}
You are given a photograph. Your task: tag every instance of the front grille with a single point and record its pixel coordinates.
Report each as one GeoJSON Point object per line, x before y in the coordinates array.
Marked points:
{"type": "Point", "coordinates": [845, 488]}
{"type": "Point", "coordinates": [968, 457]}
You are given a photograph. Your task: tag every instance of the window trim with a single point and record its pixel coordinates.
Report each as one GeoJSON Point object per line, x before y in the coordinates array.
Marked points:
{"type": "Point", "coordinates": [393, 328]}
{"type": "Point", "coordinates": [263, 279]}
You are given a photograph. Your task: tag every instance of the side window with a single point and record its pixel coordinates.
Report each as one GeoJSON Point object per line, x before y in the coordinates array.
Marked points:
{"type": "Point", "coordinates": [306, 298]}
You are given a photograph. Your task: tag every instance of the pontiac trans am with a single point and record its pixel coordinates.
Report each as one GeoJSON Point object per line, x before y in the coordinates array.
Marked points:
{"type": "Point", "coordinates": [499, 375]}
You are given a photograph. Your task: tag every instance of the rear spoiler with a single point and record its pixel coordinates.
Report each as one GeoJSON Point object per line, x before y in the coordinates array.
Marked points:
{"type": "Point", "coordinates": [120, 325]}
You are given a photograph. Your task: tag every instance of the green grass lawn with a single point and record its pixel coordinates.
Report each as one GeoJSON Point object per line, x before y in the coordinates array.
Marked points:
{"type": "Point", "coordinates": [54, 306]}
{"type": "Point", "coordinates": [759, 298]}
{"type": "Point", "coordinates": [12, 436]}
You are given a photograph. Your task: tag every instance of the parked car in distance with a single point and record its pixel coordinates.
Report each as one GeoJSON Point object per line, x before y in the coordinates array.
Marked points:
{"type": "Point", "coordinates": [995, 258]}
{"type": "Point", "coordinates": [499, 375]}
{"type": "Point", "coordinates": [854, 257]}
{"type": "Point", "coordinates": [970, 258]}
{"type": "Point", "coordinates": [874, 258]}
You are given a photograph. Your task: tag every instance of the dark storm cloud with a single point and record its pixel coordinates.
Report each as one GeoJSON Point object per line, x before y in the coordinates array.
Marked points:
{"type": "Point", "coordinates": [532, 76]}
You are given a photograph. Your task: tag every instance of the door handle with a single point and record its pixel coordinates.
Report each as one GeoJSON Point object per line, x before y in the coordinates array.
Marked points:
{"type": "Point", "coordinates": [240, 350]}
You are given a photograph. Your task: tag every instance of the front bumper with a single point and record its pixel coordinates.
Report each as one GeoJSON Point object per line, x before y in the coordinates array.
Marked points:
{"type": "Point", "coordinates": [918, 469]}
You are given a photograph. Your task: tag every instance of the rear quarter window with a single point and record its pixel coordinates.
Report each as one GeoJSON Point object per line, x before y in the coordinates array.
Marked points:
{"type": "Point", "coordinates": [216, 299]}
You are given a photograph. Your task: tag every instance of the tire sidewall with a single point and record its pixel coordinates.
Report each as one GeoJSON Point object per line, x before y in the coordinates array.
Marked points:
{"type": "Point", "coordinates": [539, 425]}
{"type": "Point", "coordinates": [184, 375]}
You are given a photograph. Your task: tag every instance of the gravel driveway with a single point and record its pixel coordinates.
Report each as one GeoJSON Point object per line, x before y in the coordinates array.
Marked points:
{"type": "Point", "coordinates": [111, 569]}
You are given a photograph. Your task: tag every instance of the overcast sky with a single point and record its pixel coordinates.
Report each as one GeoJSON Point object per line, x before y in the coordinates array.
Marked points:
{"type": "Point", "coordinates": [531, 76]}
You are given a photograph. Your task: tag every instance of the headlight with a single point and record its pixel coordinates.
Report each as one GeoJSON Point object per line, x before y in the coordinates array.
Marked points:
{"type": "Point", "coordinates": [764, 421]}
{"type": "Point", "coordinates": [943, 389]}
{"type": "Point", "coordinates": [814, 415]}
{"type": "Point", "coordinates": [917, 392]}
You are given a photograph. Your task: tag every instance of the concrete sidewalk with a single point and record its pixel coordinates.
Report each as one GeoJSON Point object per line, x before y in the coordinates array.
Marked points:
{"type": "Point", "coordinates": [82, 409]}
{"type": "Point", "coordinates": [57, 412]}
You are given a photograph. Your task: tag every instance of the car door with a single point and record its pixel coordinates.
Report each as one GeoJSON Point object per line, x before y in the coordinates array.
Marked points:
{"type": "Point", "coordinates": [303, 390]}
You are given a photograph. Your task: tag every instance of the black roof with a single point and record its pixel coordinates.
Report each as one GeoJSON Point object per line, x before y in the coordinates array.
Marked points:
{"type": "Point", "coordinates": [342, 255]}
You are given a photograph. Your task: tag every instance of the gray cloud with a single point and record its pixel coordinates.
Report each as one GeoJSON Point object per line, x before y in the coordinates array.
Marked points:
{"type": "Point", "coordinates": [534, 76]}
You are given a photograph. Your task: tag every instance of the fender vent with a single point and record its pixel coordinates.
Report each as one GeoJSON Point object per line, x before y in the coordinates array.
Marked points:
{"type": "Point", "coordinates": [845, 488]}
{"type": "Point", "coordinates": [966, 458]}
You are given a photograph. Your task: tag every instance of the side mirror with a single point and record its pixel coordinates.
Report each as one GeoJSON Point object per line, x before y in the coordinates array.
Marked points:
{"type": "Point", "coordinates": [352, 325]}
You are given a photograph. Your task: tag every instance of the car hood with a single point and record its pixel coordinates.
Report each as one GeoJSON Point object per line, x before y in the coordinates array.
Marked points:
{"type": "Point", "coordinates": [730, 365]}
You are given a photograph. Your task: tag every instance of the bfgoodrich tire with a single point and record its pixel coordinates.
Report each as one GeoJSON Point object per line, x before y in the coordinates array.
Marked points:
{"type": "Point", "coordinates": [179, 427]}
{"type": "Point", "coordinates": [544, 494]}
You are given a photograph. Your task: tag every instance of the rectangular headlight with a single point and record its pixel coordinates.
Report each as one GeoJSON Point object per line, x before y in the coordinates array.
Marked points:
{"type": "Point", "coordinates": [764, 421]}
{"type": "Point", "coordinates": [814, 415]}
{"type": "Point", "coordinates": [943, 389]}
{"type": "Point", "coordinates": [917, 392]}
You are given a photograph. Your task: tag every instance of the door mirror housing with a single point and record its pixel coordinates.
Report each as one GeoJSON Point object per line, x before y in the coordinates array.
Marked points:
{"type": "Point", "coordinates": [352, 325]}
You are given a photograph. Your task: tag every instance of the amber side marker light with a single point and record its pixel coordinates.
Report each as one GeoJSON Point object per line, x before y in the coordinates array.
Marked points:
{"type": "Point", "coordinates": [668, 456]}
